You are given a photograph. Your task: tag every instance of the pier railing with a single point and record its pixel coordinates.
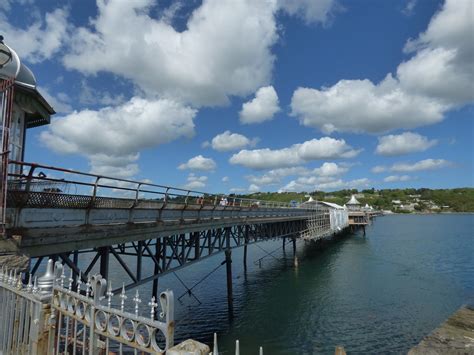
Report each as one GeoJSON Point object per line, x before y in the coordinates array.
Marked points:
{"type": "Point", "coordinates": [57, 315]}
{"type": "Point", "coordinates": [36, 184]}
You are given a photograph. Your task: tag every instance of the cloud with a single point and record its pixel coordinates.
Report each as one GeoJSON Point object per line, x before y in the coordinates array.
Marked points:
{"type": "Point", "coordinates": [253, 188]}
{"type": "Point", "coordinates": [310, 11]}
{"type": "Point", "coordinates": [60, 102]}
{"type": "Point", "coordinates": [361, 106]}
{"type": "Point", "coordinates": [112, 137]}
{"type": "Point", "coordinates": [40, 40]}
{"type": "Point", "coordinates": [199, 163]}
{"type": "Point", "coordinates": [437, 78]}
{"type": "Point", "coordinates": [330, 169]}
{"type": "Point", "coordinates": [323, 183]}
{"type": "Point", "coordinates": [397, 178]}
{"type": "Point", "coordinates": [225, 179]}
{"type": "Point", "coordinates": [378, 169]}
{"type": "Point", "coordinates": [442, 65]}
{"type": "Point", "coordinates": [228, 141]}
{"type": "Point", "coordinates": [409, 9]}
{"type": "Point", "coordinates": [195, 182]}
{"type": "Point", "coordinates": [275, 176]}
{"type": "Point", "coordinates": [261, 108]}
{"type": "Point", "coordinates": [427, 164]}
{"type": "Point", "coordinates": [224, 50]}
{"type": "Point", "coordinates": [323, 148]}
{"type": "Point", "coordinates": [91, 96]}
{"type": "Point", "coordinates": [404, 143]}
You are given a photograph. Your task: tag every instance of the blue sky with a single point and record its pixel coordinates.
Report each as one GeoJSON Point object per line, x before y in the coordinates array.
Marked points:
{"type": "Point", "coordinates": [238, 96]}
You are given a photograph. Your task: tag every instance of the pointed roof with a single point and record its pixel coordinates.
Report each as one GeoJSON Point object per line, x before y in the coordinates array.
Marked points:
{"type": "Point", "coordinates": [353, 201]}
{"type": "Point", "coordinates": [310, 199]}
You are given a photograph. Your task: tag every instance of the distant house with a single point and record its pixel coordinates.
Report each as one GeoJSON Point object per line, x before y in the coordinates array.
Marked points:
{"type": "Point", "coordinates": [396, 202]}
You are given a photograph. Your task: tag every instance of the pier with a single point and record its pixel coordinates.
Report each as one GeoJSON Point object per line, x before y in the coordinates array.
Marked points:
{"type": "Point", "coordinates": [52, 214]}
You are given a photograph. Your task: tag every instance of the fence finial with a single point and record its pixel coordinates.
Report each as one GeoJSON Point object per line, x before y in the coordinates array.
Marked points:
{"type": "Point", "coordinates": [137, 301]}
{"type": "Point", "coordinates": [79, 282]}
{"type": "Point", "coordinates": [123, 297]}
{"type": "Point", "coordinates": [109, 295]}
{"type": "Point", "coordinates": [71, 280]}
{"type": "Point", "coordinates": [153, 305]}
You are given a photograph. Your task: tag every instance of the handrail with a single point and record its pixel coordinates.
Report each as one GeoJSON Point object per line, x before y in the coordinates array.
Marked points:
{"type": "Point", "coordinates": [141, 187]}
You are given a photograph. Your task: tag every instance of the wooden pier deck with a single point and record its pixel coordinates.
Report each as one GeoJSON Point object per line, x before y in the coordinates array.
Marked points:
{"type": "Point", "coordinates": [455, 336]}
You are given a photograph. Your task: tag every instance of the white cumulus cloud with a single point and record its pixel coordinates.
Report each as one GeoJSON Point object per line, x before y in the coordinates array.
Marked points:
{"type": "Point", "coordinates": [261, 108]}
{"type": "Point", "coordinates": [407, 142]}
{"type": "Point", "coordinates": [330, 169]}
{"type": "Point", "coordinates": [426, 164]}
{"type": "Point", "coordinates": [228, 141]}
{"type": "Point", "coordinates": [195, 182]}
{"type": "Point", "coordinates": [199, 163]}
{"type": "Point", "coordinates": [40, 40]}
{"type": "Point", "coordinates": [397, 178]}
{"type": "Point", "coordinates": [224, 50]}
{"type": "Point", "coordinates": [323, 183]}
{"type": "Point", "coordinates": [323, 148]}
{"type": "Point", "coordinates": [112, 137]}
{"type": "Point", "coordinates": [438, 77]}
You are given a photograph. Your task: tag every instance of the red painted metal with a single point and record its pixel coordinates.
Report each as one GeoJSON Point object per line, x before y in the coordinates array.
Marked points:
{"type": "Point", "coordinates": [6, 90]}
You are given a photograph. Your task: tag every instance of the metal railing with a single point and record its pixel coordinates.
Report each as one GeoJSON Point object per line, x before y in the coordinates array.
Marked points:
{"type": "Point", "coordinates": [60, 315]}
{"type": "Point", "coordinates": [95, 186]}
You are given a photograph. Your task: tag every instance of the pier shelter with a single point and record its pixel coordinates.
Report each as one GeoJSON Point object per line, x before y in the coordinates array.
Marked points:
{"type": "Point", "coordinates": [29, 108]}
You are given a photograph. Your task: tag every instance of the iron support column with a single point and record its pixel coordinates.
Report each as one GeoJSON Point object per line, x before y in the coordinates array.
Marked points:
{"type": "Point", "coordinates": [139, 260]}
{"type": "Point", "coordinates": [104, 262]}
{"type": "Point", "coordinates": [154, 289]}
{"type": "Point", "coordinates": [246, 240]}
{"type": "Point", "coordinates": [228, 260]}
{"type": "Point", "coordinates": [294, 246]}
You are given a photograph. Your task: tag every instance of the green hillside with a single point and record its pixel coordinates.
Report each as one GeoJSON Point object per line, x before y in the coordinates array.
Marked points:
{"type": "Point", "coordinates": [421, 200]}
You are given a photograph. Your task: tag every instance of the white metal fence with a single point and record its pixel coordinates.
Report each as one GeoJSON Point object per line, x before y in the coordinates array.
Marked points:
{"type": "Point", "coordinates": [57, 314]}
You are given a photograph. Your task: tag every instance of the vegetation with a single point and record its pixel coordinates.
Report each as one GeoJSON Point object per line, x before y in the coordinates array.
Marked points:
{"type": "Point", "coordinates": [420, 200]}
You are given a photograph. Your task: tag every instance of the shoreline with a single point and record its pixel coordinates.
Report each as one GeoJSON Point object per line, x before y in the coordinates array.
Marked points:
{"type": "Point", "coordinates": [425, 213]}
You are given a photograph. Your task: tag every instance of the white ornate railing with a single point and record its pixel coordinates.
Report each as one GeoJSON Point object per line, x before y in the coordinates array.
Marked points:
{"type": "Point", "coordinates": [61, 315]}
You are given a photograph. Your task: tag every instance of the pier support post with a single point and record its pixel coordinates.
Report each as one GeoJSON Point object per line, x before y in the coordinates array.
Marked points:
{"type": "Point", "coordinates": [156, 270]}
{"type": "Point", "coordinates": [230, 301]}
{"type": "Point", "coordinates": [363, 228]}
{"type": "Point", "coordinates": [246, 240]}
{"type": "Point", "coordinates": [139, 260]}
{"type": "Point", "coordinates": [228, 262]}
{"type": "Point", "coordinates": [104, 262]}
{"type": "Point", "coordinates": [294, 246]}
{"type": "Point", "coordinates": [284, 242]}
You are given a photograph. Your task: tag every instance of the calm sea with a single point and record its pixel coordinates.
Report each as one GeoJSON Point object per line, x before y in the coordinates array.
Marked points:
{"type": "Point", "coordinates": [375, 294]}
